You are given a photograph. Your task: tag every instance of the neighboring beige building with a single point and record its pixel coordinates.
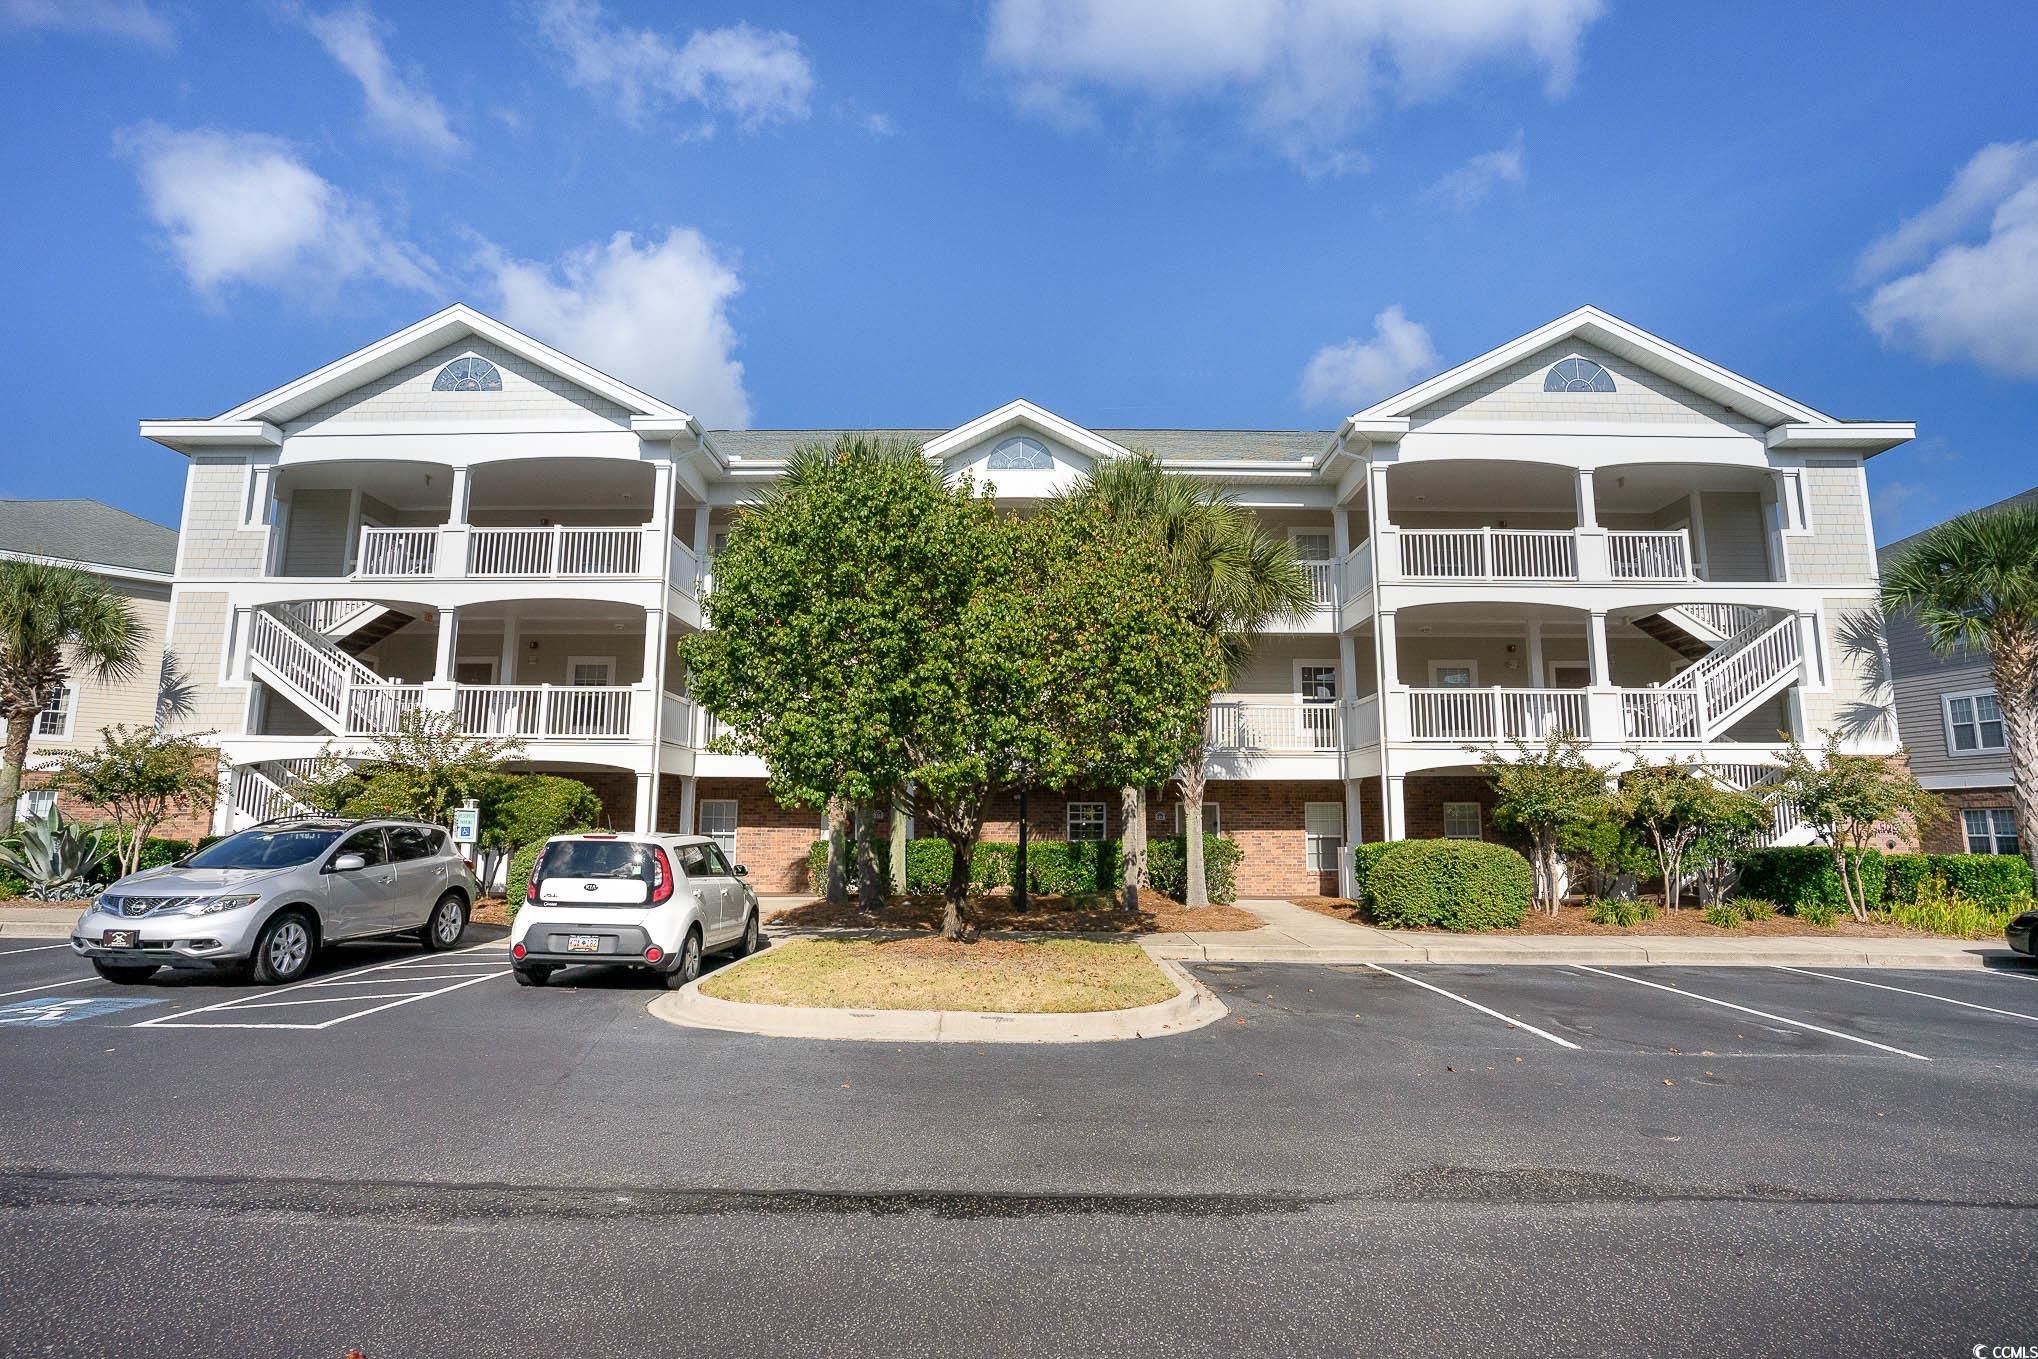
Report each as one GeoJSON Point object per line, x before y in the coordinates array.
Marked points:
{"type": "Point", "coordinates": [132, 555]}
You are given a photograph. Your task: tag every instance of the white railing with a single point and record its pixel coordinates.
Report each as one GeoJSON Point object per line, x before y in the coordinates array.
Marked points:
{"type": "Point", "coordinates": [1731, 679]}
{"type": "Point", "coordinates": [557, 550]}
{"type": "Point", "coordinates": [1724, 619]}
{"type": "Point", "coordinates": [1489, 554]}
{"type": "Point", "coordinates": [397, 552]}
{"type": "Point", "coordinates": [1637, 555]}
{"type": "Point", "coordinates": [305, 661]}
{"type": "Point", "coordinates": [1495, 714]}
{"type": "Point", "coordinates": [373, 709]}
{"type": "Point", "coordinates": [543, 711]}
{"type": "Point", "coordinates": [1271, 726]}
{"type": "Point", "coordinates": [260, 798]}
{"type": "Point", "coordinates": [324, 615]}
{"type": "Point", "coordinates": [684, 568]}
{"type": "Point", "coordinates": [676, 719]}
{"type": "Point", "coordinates": [1357, 574]}
{"type": "Point", "coordinates": [1664, 714]}
{"type": "Point", "coordinates": [1322, 583]}
{"type": "Point", "coordinates": [1761, 779]}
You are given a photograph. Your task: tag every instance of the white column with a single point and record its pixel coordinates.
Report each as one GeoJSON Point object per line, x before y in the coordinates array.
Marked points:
{"type": "Point", "coordinates": [1390, 659]}
{"type": "Point", "coordinates": [689, 800]}
{"type": "Point", "coordinates": [1700, 567]}
{"type": "Point", "coordinates": [1595, 643]}
{"type": "Point", "coordinates": [1588, 506]}
{"type": "Point", "coordinates": [512, 638]}
{"type": "Point", "coordinates": [654, 648]}
{"type": "Point", "coordinates": [703, 539]}
{"type": "Point", "coordinates": [223, 799]}
{"type": "Point", "coordinates": [1340, 533]}
{"type": "Point", "coordinates": [1396, 808]}
{"type": "Point", "coordinates": [661, 495]}
{"type": "Point", "coordinates": [449, 635]}
{"type": "Point", "coordinates": [1813, 665]}
{"type": "Point", "coordinates": [1355, 830]}
{"type": "Point", "coordinates": [458, 513]}
{"type": "Point", "coordinates": [647, 803]}
{"type": "Point", "coordinates": [1535, 654]}
{"type": "Point", "coordinates": [1386, 544]}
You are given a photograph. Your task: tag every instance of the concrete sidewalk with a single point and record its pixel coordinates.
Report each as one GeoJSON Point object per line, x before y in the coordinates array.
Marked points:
{"type": "Point", "coordinates": [1293, 935]}
{"type": "Point", "coordinates": [36, 921]}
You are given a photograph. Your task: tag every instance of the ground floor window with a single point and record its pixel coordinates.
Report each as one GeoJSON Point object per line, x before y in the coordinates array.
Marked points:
{"type": "Point", "coordinates": [54, 721]}
{"type": "Point", "coordinates": [1461, 821]}
{"type": "Point", "coordinates": [1324, 825]}
{"type": "Point", "coordinates": [35, 804]}
{"type": "Point", "coordinates": [1086, 821]}
{"type": "Point", "coordinates": [1990, 830]}
{"type": "Point", "coordinates": [718, 823]}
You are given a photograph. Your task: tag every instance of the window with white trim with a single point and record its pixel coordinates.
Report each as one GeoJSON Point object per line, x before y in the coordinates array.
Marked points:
{"type": "Point", "coordinates": [58, 715]}
{"type": "Point", "coordinates": [718, 823]}
{"type": "Point", "coordinates": [1323, 827]}
{"type": "Point", "coordinates": [1462, 821]}
{"type": "Point", "coordinates": [1086, 821]}
{"type": "Point", "coordinates": [1021, 454]}
{"type": "Point", "coordinates": [1974, 723]}
{"type": "Point", "coordinates": [1990, 830]}
{"type": "Point", "coordinates": [35, 804]}
{"type": "Point", "coordinates": [1213, 819]}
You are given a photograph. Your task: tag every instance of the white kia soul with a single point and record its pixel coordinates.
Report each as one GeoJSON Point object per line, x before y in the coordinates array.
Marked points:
{"type": "Point", "coordinates": [651, 901]}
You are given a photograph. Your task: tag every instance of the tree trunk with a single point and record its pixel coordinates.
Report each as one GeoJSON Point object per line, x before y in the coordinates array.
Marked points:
{"type": "Point", "coordinates": [899, 845]}
{"type": "Point", "coordinates": [869, 884]}
{"type": "Point", "coordinates": [1131, 846]}
{"type": "Point", "coordinates": [2014, 663]}
{"type": "Point", "coordinates": [838, 853]}
{"type": "Point", "coordinates": [961, 849]}
{"type": "Point", "coordinates": [1197, 888]}
{"type": "Point", "coordinates": [20, 724]}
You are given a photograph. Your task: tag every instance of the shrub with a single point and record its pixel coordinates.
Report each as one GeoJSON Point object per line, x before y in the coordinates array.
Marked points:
{"type": "Point", "coordinates": [1993, 880]}
{"type": "Point", "coordinates": [160, 853]}
{"type": "Point", "coordinates": [1618, 911]}
{"type": "Point", "coordinates": [1454, 884]}
{"type": "Point", "coordinates": [518, 880]}
{"type": "Point", "coordinates": [1818, 914]}
{"type": "Point", "coordinates": [1945, 912]}
{"type": "Point", "coordinates": [519, 808]}
{"type": "Point", "coordinates": [1797, 876]}
{"type": "Point", "coordinates": [991, 865]}
{"type": "Point", "coordinates": [1904, 874]}
{"type": "Point", "coordinates": [1167, 866]}
{"type": "Point", "coordinates": [1723, 914]}
{"type": "Point", "coordinates": [1754, 908]}
{"type": "Point", "coordinates": [1363, 859]}
{"type": "Point", "coordinates": [927, 863]}
{"type": "Point", "coordinates": [817, 865]}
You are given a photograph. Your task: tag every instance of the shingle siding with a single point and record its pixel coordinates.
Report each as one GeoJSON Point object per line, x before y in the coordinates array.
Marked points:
{"type": "Point", "coordinates": [1639, 396]}
{"type": "Point", "coordinates": [528, 393]}
{"type": "Point", "coordinates": [130, 702]}
{"type": "Point", "coordinates": [1838, 550]}
{"type": "Point", "coordinates": [215, 544]}
{"type": "Point", "coordinates": [197, 635]}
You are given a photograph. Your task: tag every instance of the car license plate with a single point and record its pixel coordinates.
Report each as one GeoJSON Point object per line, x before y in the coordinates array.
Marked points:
{"type": "Point", "coordinates": [583, 943]}
{"type": "Point", "coordinates": [121, 939]}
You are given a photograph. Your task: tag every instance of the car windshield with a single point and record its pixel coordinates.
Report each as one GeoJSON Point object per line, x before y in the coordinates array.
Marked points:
{"type": "Point", "coordinates": [266, 848]}
{"type": "Point", "coordinates": [596, 859]}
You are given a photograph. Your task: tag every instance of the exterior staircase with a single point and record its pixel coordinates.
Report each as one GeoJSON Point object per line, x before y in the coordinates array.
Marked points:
{"type": "Point", "coordinates": [1694, 630]}
{"type": "Point", "coordinates": [315, 672]}
{"type": "Point", "coordinates": [1722, 685]}
{"type": "Point", "coordinates": [354, 625]}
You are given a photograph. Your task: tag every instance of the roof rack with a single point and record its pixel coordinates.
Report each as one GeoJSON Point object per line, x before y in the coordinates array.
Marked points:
{"type": "Point", "coordinates": [331, 817]}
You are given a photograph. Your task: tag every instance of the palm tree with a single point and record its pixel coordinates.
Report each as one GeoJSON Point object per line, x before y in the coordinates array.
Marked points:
{"type": "Point", "coordinates": [53, 618]}
{"type": "Point", "coordinates": [1240, 581]}
{"type": "Point", "coordinates": [1972, 584]}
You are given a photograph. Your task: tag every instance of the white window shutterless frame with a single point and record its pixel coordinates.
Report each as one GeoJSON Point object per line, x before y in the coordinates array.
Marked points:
{"type": "Point", "coordinates": [718, 823]}
{"type": "Point", "coordinates": [1974, 722]}
{"type": "Point", "coordinates": [58, 715]}
{"type": "Point", "coordinates": [1990, 830]}
{"type": "Point", "coordinates": [1461, 821]}
{"type": "Point", "coordinates": [1086, 821]}
{"type": "Point", "coordinates": [1323, 828]}
{"type": "Point", "coordinates": [1316, 687]}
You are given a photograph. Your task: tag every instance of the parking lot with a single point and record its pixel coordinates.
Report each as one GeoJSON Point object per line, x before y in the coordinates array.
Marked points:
{"type": "Point", "coordinates": [1420, 1158]}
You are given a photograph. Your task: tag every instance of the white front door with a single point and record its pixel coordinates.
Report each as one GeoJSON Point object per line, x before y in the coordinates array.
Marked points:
{"type": "Point", "coordinates": [1316, 685]}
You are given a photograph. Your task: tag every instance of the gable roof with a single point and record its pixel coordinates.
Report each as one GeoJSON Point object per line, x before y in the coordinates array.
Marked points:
{"type": "Point", "coordinates": [89, 533]}
{"type": "Point", "coordinates": [1888, 551]}
{"type": "Point", "coordinates": [254, 420]}
{"type": "Point", "coordinates": [1301, 447]}
{"type": "Point", "coordinates": [1792, 423]}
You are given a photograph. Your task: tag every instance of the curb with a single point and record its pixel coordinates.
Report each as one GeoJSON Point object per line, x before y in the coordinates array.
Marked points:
{"type": "Point", "coordinates": [1192, 1007]}
{"type": "Point", "coordinates": [1979, 956]}
{"type": "Point", "coordinates": [29, 929]}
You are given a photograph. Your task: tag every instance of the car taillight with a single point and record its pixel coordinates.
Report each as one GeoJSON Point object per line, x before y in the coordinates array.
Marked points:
{"type": "Point", "coordinates": [537, 875]}
{"type": "Point", "coordinates": [661, 887]}
{"type": "Point", "coordinates": [516, 950]}
{"type": "Point", "coordinates": [653, 954]}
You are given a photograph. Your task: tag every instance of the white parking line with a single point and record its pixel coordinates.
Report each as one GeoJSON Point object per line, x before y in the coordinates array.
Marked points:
{"type": "Point", "coordinates": [1508, 1020]}
{"type": "Point", "coordinates": [49, 986]}
{"type": "Point", "coordinates": [1906, 991]}
{"type": "Point", "coordinates": [264, 999]}
{"type": "Point", "coordinates": [352, 997]}
{"type": "Point", "coordinates": [39, 948]}
{"type": "Point", "coordinates": [1747, 1010]}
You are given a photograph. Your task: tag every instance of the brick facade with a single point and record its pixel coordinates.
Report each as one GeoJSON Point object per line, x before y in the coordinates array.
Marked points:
{"type": "Point", "coordinates": [193, 824]}
{"type": "Point", "coordinates": [771, 841]}
{"type": "Point", "coordinates": [1948, 836]}
{"type": "Point", "coordinates": [1424, 796]}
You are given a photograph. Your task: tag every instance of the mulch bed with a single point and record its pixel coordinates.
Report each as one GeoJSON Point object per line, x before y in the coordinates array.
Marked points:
{"type": "Point", "coordinates": [1690, 922]}
{"type": "Point", "coordinates": [1060, 915]}
{"type": "Point", "coordinates": [490, 911]}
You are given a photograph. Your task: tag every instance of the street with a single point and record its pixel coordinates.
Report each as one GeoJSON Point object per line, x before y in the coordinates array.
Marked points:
{"type": "Point", "coordinates": [410, 1155]}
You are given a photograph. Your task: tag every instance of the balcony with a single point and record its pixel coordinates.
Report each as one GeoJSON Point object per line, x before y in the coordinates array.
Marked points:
{"type": "Point", "coordinates": [535, 712]}
{"type": "Point", "coordinates": [1542, 555]}
{"type": "Point", "coordinates": [551, 553]}
{"type": "Point", "coordinates": [1464, 715]}
{"type": "Point", "coordinates": [1274, 728]}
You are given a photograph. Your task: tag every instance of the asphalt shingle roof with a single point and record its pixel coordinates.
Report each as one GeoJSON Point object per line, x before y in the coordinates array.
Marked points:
{"type": "Point", "coordinates": [1170, 445]}
{"type": "Point", "coordinates": [87, 531]}
{"type": "Point", "coordinates": [1887, 552]}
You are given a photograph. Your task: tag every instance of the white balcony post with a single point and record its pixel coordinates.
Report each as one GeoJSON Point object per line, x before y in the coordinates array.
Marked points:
{"type": "Point", "coordinates": [1386, 538]}
{"type": "Point", "coordinates": [1499, 715]}
{"type": "Point", "coordinates": [1810, 671]}
{"type": "Point", "coordinates": [1396, 809]}
{"type": "Point", "coordinates": [1535, 653]}
{"type": "Point", "coordinates": [449, 633]}
{"type": "Point", "coordinates": [457, 515]}
{"type": "Point", "coordinates": [647, 803]}
{"type": "Point", "coordinates": [511, 639]}
{"type": "Point", "coordinates": [1588, 507]}
{"type": "Point", "coordinates": [1354, 834]}
{"type": "Point", "coordinates": [689, 798]}
{"type": "Point", "coordinates": [544, 723]}
{"type": "Point", "coordinates": [1595, 641]}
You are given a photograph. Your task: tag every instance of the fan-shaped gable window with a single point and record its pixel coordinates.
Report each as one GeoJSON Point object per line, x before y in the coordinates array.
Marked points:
{"type": "Point", "coordinates": [1577, 375]}
{"type": "Point", "coordinates": [468, 374]}
{"type": "Point", "coordinates": [1021, 454]}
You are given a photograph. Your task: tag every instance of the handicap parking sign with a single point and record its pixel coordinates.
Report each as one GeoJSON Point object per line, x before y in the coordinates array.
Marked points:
{"type": "Point", "coordinates": [51, 1011]}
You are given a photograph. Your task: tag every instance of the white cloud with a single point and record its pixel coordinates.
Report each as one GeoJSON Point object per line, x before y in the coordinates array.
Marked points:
{"type": "Point", "coordinates": [653, 313]}
{"type": "Point", "coordinates": [1468, 185]}
{"type": "Point", "coordinates": [1358, 372]}
{"type": "Point", "coordinates": [399, 104]}
{"type": "Point", "coordinates": [241, 207]}
{"type": "Point", "coordinates": [1966, 298]}
{"type": "Point", "coordinates": [115, 18]}
{"type": "Point", "coordinates": [752, 74]}
{"type": "Point", "coordinates": [1308, 72]}
{"type": "Point", "coordinates": [1901, 505]}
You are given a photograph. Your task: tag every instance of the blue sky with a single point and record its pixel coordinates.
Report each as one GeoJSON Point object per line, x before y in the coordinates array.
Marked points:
{"type": "Point", "coordinates": [1147, 212]}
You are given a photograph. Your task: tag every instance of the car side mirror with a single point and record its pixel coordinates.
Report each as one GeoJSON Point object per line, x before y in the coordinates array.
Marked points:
{"type": "Point", "coordinates": [348, 863]}
{"type": "Point", "coordinates": [741, 871]}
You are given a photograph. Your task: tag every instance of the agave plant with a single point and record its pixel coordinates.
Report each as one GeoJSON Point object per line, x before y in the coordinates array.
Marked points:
{"type": "Point", "coordinates": [55, 857]}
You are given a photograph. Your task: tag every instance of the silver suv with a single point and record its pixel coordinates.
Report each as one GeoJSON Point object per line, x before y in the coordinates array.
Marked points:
{"type": "Point", "coordinates": [266, 900]}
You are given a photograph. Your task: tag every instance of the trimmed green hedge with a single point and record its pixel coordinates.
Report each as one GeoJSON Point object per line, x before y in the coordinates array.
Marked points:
{"type": "Point", "coordinates": [1796, 876]}
{"type": "Point", "coordinates": [1167, 866]}
{"type": "Point", "coordinates": [1452, 884]}
{"type": "Point", "coordinates": [1989, 879]}
{"type": "Point", "coordinates": [1363, 859]}
{"type": "Point", "coordinates": [1054, 867]}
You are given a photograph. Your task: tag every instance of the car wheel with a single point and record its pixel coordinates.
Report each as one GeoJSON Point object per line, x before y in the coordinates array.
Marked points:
{"type": "Point", "coordinates": [123, 976]}
{"type": "Point", "coordinates": [689, 968]}
{"type": "Point", "coordinates": [448, 923]}
{"type": "Point", "coordinates": [749, 944]}
{"type": "Point", "coordinates": [532, 976]}
{"type": "Point", "coordinates": [284, 949]}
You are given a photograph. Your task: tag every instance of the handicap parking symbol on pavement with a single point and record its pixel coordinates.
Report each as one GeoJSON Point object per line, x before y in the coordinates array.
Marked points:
{"type": "Point", "coordinates": [51, 1011]}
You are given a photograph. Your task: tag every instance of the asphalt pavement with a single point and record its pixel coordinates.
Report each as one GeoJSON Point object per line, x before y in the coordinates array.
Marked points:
{"type": "Point", "coordinates": [1416, 1160]}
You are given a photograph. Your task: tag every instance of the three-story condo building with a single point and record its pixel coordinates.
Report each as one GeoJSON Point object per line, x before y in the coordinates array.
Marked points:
{"type": "Point", "coordinates": [1587, 529]}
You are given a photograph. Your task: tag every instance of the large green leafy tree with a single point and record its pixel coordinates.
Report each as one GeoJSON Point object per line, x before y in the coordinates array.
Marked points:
{"type": "Point", "coordinates": [140, 777]}
{"type": "Point", "coordinates": [1545, 791]}
{"type": "Point", "coordinates": [1238, 581]}
{"type": "Point", "coordinates": [827, 599]}
{"type": "Point", "coordinates": [1849, 801]}
{"type": "Point", "coordinates": [1971, 584]}
{"type": "Point", "coordinates": [422, 770]}
{"type": "Point", "coordinates": [54, 622]}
